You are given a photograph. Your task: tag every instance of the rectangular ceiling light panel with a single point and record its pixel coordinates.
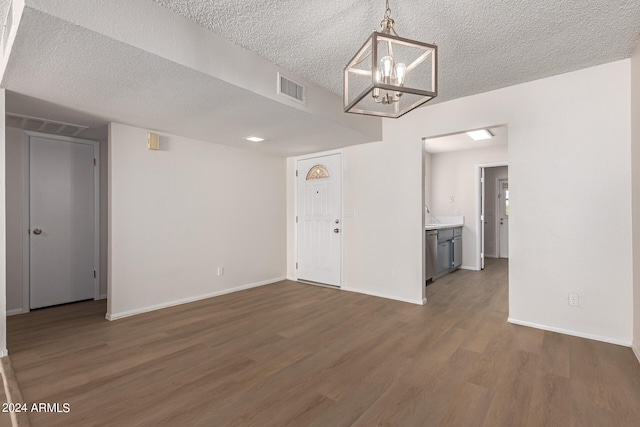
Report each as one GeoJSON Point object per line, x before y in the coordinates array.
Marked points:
{"type": "Point", "coordinates": [479, 135]}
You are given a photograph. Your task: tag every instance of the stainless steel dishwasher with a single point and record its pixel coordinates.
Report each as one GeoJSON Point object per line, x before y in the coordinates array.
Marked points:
{"type": "Point", "coordinates": [431, 254]}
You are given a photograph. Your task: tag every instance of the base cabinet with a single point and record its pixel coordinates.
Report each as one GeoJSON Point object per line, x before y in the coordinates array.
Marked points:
{"type": "Point", "coordinates": [456, 250]}
{"type": "Point", "coordinates": [444, 256]}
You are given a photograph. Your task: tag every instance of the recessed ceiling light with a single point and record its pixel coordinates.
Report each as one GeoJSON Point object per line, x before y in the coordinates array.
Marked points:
{"type": "Point", "coordinates": [254, 138]}
{"type": "Point", "coordinates": [479, 135]}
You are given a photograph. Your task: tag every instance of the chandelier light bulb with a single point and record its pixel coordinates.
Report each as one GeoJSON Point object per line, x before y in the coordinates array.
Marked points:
{"type": "Point", "coordinates": [401, 72]}
{"type": "Point", "coordinates": [386, 67]}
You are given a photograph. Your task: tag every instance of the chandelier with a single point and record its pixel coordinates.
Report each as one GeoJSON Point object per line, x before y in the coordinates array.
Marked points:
{"type": "Point", "coordinates": [390, 75]}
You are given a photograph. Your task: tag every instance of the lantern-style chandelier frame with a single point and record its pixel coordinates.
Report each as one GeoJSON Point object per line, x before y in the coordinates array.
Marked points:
{"type": "Point", "coordinates": [390, 75]}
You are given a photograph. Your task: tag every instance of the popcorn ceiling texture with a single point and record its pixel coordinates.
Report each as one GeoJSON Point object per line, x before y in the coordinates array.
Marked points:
{"type": "Point", "coordinates": [483, 45]}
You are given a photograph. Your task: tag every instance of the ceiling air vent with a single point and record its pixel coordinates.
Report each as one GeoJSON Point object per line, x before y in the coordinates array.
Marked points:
{"type": "Point", "coordinates": [291, 89]}
{"type": "Point", "coordinates": [43, 125]}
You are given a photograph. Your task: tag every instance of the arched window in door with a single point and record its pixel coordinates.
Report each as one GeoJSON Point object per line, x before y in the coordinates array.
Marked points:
{"type": "Point", "coordinates": [318, 172]}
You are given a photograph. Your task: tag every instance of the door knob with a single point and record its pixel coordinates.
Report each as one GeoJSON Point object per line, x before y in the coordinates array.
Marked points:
{"type": "Point", "coordinates": [37, 231]}
{"type": "Point", "coordinates": [336, 230]}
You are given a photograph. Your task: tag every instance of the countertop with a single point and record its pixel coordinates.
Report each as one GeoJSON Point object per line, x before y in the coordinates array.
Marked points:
{"type": "Point", "coordinates": [442, 226]}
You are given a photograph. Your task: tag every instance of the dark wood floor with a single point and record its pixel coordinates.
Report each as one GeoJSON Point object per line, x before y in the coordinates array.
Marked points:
{"type": "Point", "coordinates": [301, 355]}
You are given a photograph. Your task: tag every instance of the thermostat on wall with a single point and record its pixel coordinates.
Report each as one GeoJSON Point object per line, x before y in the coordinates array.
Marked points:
{"type": "Point", "coordinates": [153, 141]}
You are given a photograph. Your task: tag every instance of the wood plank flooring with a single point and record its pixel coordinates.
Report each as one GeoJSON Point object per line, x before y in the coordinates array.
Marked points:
{"type": "Point", "coordinates": [290, 354]}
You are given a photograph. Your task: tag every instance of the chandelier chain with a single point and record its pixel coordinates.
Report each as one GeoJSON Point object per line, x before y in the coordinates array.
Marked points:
{"type": "Point", "coordinates": [387, 23]}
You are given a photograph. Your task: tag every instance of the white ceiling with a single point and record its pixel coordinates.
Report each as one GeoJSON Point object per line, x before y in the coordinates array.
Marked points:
{"type": "Point", "coordinates": [61, 70]}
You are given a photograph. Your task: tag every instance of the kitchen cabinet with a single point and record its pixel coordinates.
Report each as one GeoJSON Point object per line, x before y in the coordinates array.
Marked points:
{"type": "Point", "coordinates": [456, 251]}
{"type": "Point", "coordinates": [456, 248]}
{"type": "Point", "coordinates": [444, 257]}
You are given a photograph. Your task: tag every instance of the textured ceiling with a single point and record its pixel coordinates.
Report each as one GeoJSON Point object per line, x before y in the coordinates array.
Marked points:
{"type": "Point", "coordinates": [483, 45]}
{"type": "Point", "coordinates": [91, 62]}
{"type": "Point", "coordinates": [60, 69]}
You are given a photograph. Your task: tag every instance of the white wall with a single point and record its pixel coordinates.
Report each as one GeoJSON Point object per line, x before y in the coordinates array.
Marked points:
{"type": "Point", "coordinates": [16, 143]}
{"type": "Point", "coordinates": [383, 185]}
{"type": "Point", "coordinates": [635, 167]}
{"type": "Point", "coordinates": [492, 211]}
{"type": "Point", "coordinates": [453, 174]}
{"type": "Point", "coordinates": [3, 234]}
{"type": "Point", "coordinates": [179, 213]}
{"type": "Point", "coordinates": [569, 146]}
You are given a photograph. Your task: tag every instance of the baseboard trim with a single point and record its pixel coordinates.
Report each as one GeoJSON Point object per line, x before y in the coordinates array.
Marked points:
{"type": "Point", "coordinates": [15, 311]}
{"type": "Point", "coordinates": [381, 295]}
{"type": "Point", "coordinates": [636, 351]}
{"type": "Point", "coordinates": [102, 296]}
{"type": "Point", "coordinates": [129, 313]}
{"type": "Point", "coordinates": [579, 334]}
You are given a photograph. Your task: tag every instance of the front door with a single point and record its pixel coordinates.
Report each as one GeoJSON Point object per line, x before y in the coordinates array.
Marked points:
{"type": "Point", "coordinates": [61, 221]}
{"type": "Point", "coordinates": [319, 219]}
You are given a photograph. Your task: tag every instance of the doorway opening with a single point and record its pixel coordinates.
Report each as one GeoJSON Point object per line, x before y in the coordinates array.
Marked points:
{"type": "Point", "coordinates": [493, 213]}
{"type": "Point", "coordinates": [453, 194]}
{"type": "Point", "coordinates": [503, 210]}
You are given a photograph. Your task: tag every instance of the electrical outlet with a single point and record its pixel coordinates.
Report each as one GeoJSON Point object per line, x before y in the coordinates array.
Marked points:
{"type": "Point", "coordinates": [221, 271]}
{"type": "Point", "coordinates": [394, 274]}
{"type": "Point", "coordinates": [574, 300]}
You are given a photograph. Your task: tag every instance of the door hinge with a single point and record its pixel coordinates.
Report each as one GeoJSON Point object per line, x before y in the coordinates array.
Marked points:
{"type": "Point", "coordinates": [94, 162]}
{"type": "Point", "coordinates": [482, 180]}
{"type": "Point", "coordinates": [94, 274]}
{"type": "Point", "coordinates": [296, 219]}
{"type": "Point", "coordinates": [296, 265]}
{"type": "Point", "coordinates": [296, 172]}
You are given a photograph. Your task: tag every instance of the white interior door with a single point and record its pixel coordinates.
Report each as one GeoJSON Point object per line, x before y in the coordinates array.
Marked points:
{"type": "Point", "coordinates": [503, 186]}
{"type": "Point", "coordinates": [319, 219]}
{"type": "Point", "coordinates": [61, 221]}
{"type": "Point", "coordinates": [483, 214]}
